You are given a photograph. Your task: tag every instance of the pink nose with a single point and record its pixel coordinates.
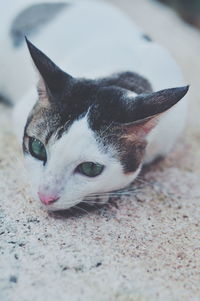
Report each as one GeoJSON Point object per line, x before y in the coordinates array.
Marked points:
{"type": "Point", "coordinates": [47, 199]}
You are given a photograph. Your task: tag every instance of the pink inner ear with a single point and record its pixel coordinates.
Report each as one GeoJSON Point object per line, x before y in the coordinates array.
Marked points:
{"type": "Point", "coordinates": [149, 125]}
{"type": "Point", "coordinates": [142, 129]}
{"type": "Point", "coordinates": [42, 93]}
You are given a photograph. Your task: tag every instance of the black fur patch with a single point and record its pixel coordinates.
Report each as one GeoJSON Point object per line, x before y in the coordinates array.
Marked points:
{"type": "Point", "coordinates": [102, 101]}
{"type": "Point", "coordinates": [128, 80]}
{"type": "Point", "coordinates": [108, 102]}
{"type": "Point", "coordinates": [32, 19]}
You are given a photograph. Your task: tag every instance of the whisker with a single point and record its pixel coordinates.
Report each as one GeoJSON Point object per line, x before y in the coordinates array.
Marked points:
{"type": "Point", "coordinates": [126, 193]}
{"type": "Point", "coordinates": [117, 192]}
{"type": "Point", "coordinates": [141, 180]}
{"type": "Point", "coordinates": [92, 203]}
{"type": "Point", "coordinates": [79, 208]}
{"type": "Point", "coordinates": [107, 128]}
{"type": "Point", "coordinates": [61, 128]}
{"type": "Point", "coordinates": [97, 203]}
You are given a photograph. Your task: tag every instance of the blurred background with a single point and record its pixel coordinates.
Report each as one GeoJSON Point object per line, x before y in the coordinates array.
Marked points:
{"type": "Point", "coordinates": [146, 248]}
{"type": "Point", "coordinates": [189, 10]}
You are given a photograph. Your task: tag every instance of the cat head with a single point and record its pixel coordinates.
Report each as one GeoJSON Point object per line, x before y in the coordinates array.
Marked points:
{"type": "Point", "coordinates": [88, 137]}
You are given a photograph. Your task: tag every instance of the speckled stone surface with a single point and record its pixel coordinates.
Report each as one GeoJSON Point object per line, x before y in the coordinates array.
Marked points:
{"type": "Point", "coordinates": [143, 247]}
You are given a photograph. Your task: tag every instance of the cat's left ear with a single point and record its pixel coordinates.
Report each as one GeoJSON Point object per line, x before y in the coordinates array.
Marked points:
{"type": "Point", "coordinates": [53, 79]}
{"type": "Point", "coordinates": [141, 113]}
{"type": "Point", "coordinates": [135, 113]}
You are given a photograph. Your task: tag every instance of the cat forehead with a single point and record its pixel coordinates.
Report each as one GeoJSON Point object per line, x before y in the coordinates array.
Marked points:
{"type": "Point", "coordinates": [49, 117]}
{"type": "Point", "coordinates": [55, 113]}
{"type": "Point", "coordinates": [78, 144]}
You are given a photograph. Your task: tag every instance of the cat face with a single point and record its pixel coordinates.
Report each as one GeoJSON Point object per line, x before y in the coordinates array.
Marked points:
{"type": "Point", "coordinates": [84, 138]}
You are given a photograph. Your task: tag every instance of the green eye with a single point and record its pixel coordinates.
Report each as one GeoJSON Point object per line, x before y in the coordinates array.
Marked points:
{"type": "Point", "coordinates": [37, 149]}
{"type": "Point", "coordinates": [90, 169]}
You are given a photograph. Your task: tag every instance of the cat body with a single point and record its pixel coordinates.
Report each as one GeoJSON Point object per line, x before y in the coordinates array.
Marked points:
{"type": "Point", "coordinates": [110, 120]}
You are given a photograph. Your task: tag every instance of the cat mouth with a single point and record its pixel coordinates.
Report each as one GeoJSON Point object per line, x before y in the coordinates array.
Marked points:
{"type": "Point", "coordinates": [55, 202]}
{"type": "Point", "coordinates": [60, 204]}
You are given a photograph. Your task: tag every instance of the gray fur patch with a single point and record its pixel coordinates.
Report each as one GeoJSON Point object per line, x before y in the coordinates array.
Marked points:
{"type": "Point", "coordinates": [32, 19]}
{"type": "Point", "coordinates": [5, 100]}
{"type": "Point", "coordinates": [129, 80]}
{"type": "Point", "coordinates": [147, 37]}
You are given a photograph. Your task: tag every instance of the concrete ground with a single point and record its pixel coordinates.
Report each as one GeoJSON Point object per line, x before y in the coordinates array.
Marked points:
{"type": "Point", "coordinates": [143, 247]}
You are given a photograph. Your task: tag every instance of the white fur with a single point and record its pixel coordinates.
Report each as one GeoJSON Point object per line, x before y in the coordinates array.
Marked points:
{"type": "Point", "coordinates": [73, 25]}
{"type": "Point", "coordinates": [59, 176]}
{"type": "Point", "coordinates": [90, 39]}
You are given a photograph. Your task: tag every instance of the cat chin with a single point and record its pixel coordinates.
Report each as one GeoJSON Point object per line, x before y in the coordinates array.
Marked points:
{"type": "Point", "coordinates": [60, 205]}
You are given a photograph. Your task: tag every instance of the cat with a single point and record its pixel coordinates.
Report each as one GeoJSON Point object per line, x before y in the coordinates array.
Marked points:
{"type": "Point", "coordinates": [113, 101]}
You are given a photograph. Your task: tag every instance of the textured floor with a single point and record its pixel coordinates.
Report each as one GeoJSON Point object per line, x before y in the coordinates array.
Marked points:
{"type": "Point", "coordinates": [141, 248]}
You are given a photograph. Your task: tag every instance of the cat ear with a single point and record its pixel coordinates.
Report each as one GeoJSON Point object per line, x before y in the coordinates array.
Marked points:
{"type": "Point", "coordinates": [141, 113]}
{"type": "Point", "coordinates": [53, 79]}
{"type": "Point", "coordinates": [143, 106]}
{"type": "Point", "coordinates": [125, 108]}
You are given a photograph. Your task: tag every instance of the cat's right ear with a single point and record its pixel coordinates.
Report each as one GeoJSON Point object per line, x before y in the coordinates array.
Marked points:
{"type": "Point", "coordinates": [53, 79]}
